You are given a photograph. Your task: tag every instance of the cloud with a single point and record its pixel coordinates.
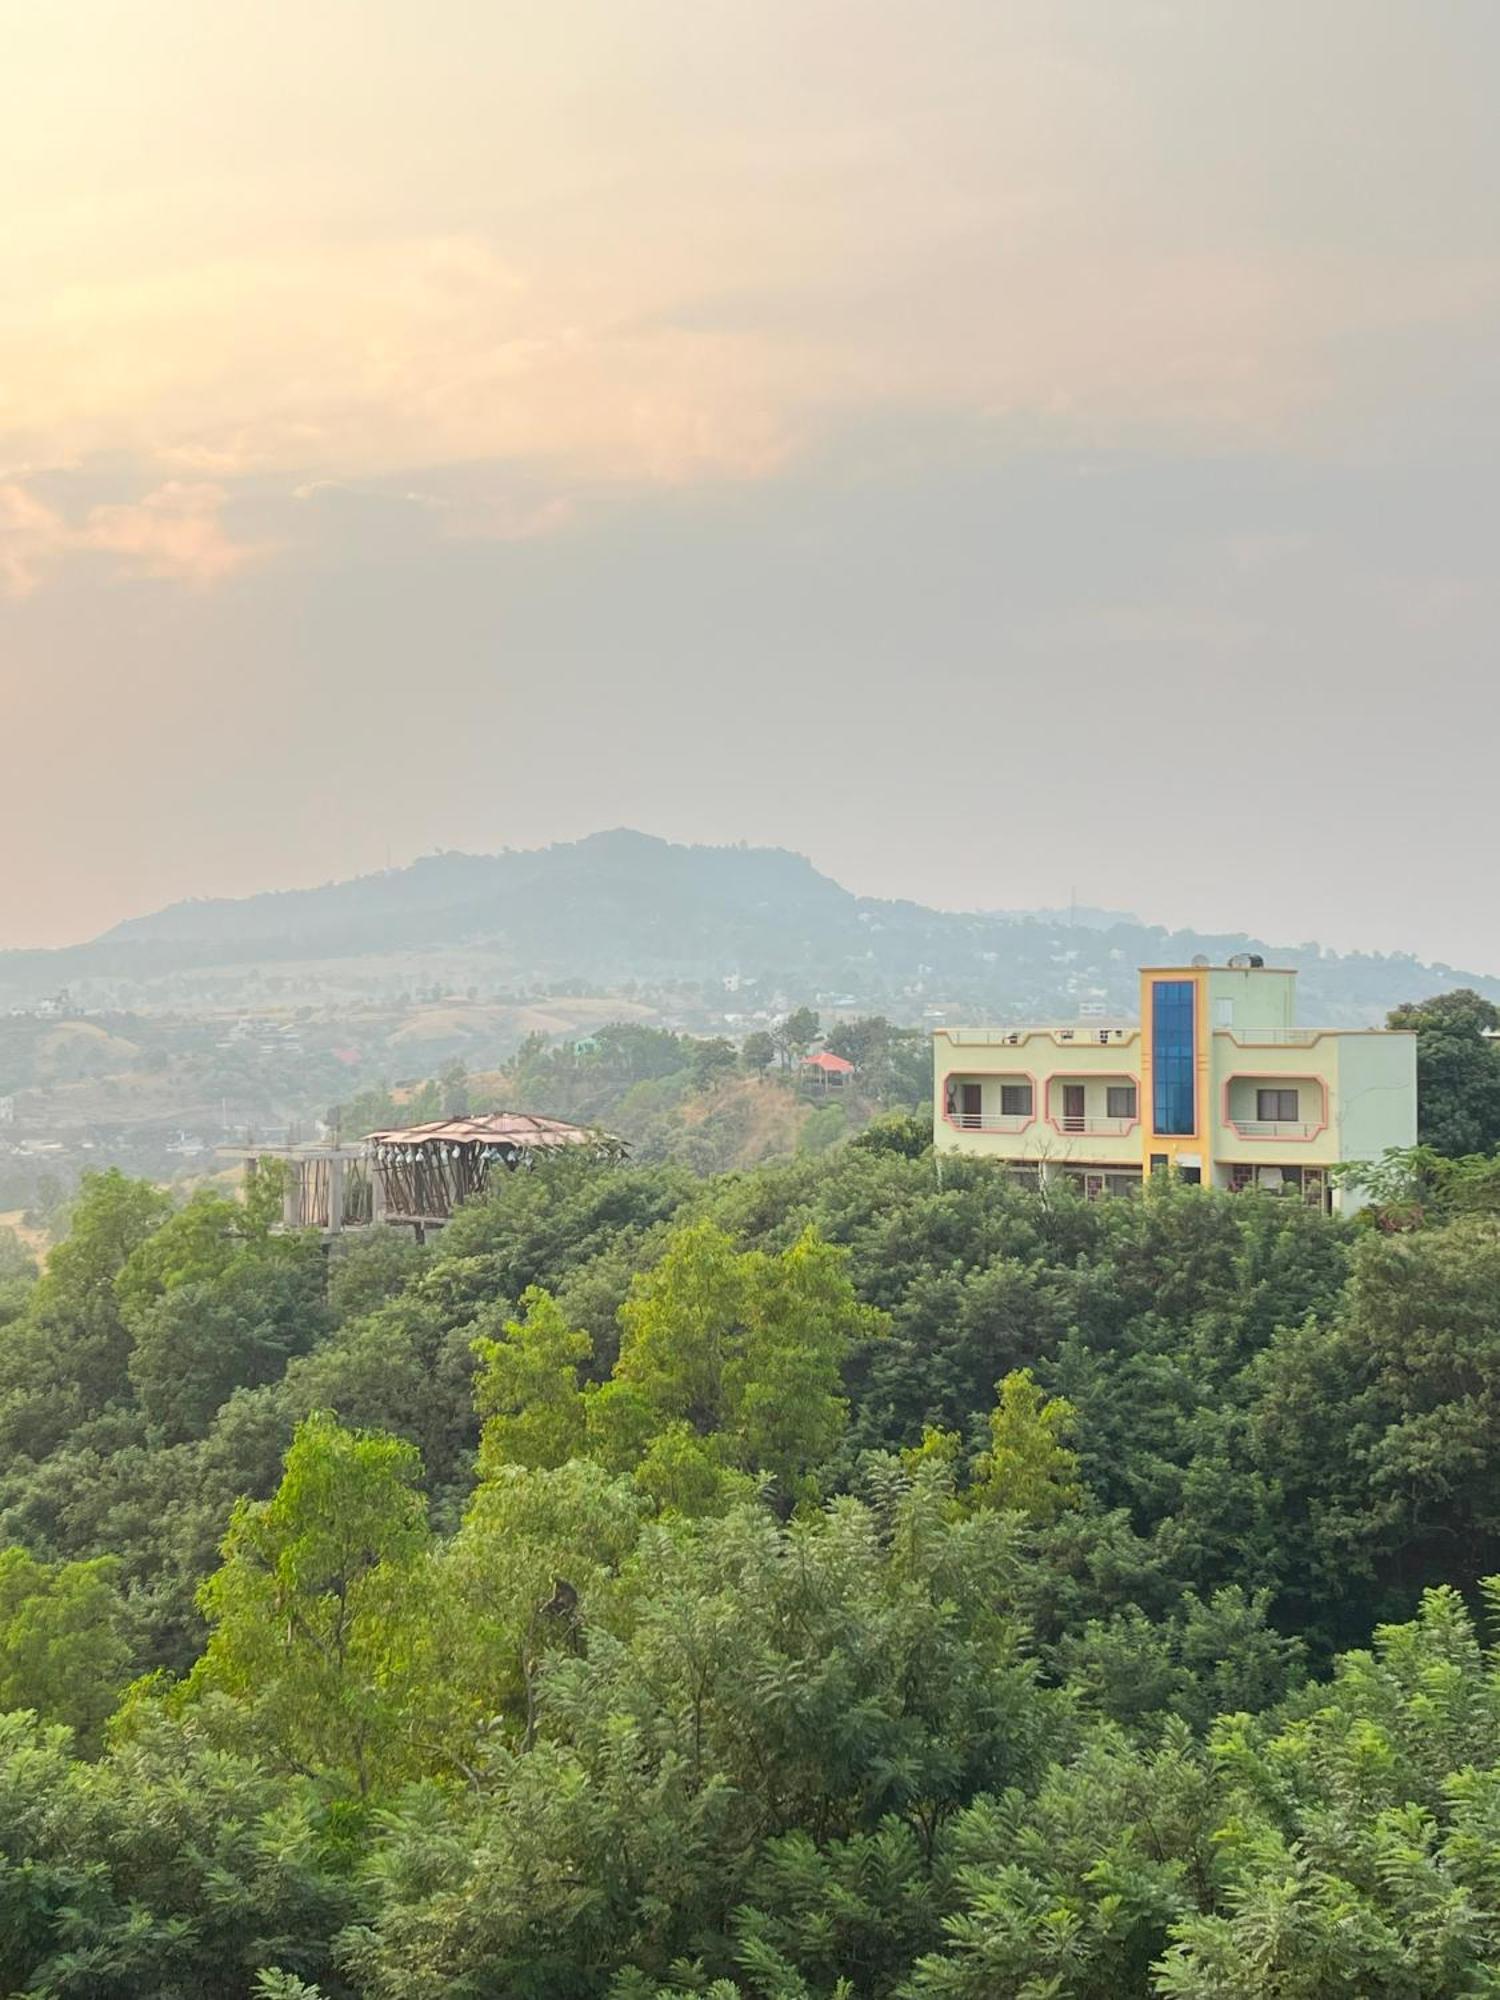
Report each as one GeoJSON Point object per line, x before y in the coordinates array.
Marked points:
{"type": "Point", "coordinates": [353, 361]}
{"type": "Point", "coordinates": [682, 258]}
{"type": "Point", "coordinates": [470, 511]}
{"type": "Point", "coordinates": [174, 534]}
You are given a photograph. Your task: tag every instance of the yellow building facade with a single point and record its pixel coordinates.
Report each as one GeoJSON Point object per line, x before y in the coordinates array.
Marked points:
{"type": "Point", "coordinates": [1215, 1081]}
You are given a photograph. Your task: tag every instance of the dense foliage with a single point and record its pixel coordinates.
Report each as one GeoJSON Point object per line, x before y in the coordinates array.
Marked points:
{"type": "Point", "coordinates": [703, 1101]}
{"type": "Point", "coordinates": [836, 1579]}
{"type": "Point", "coordinates": [1458, 1070]}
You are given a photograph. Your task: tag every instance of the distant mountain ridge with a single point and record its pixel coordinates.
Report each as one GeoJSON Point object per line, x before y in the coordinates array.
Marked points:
{"type": "Point", "coordinates": [624, 908]}
{"type": "Point", "coordinates": [445, 898]}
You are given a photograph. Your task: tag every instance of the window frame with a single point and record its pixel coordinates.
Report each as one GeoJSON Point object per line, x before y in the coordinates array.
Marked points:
{"type": "Point", "coordinates": [1280, 1116]}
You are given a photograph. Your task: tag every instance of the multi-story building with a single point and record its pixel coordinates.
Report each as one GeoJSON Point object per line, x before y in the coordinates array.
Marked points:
{"type": "Point", "coordinates": [1216, 1081]}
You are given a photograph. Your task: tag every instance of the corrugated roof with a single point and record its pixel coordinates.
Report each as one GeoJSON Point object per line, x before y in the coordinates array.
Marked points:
{"type": "Point", "coordinates": [496, 1128]}
{"type": "Point", "coordinates": [826, 1059]}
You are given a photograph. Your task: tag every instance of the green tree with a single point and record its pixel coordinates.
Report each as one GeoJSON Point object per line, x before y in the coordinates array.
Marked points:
{"type": "Point", "coordinates": [311, 1612]}
{"type": "Point", "coordinates": [65, 1359]}
{"type": "Point", "coordinates": [200, 1340]}
{"type": "Point", "coordinates": [64, 1649]}
{"type": "Point", "coordinates": [727, 1720]}
{"type": "Point", "coordinates": [795, 1034]}
{"type": "Point", "coordinates": [192, 1247]}
{"type": "Point", "coordinates": [758, 1052]}
{"type": "Point", "coordinates": [1458, 1070]}
{"type": "Point", "coordinates": [1357, 1832]}
{"type": "Point", "coordinates": [1381, 1428]}
{"type": "Point", "coordinates": [453, 1082]}
{"type": "Point", "coordinates": [1073, 1890]}
{"type": "Point", "coordinates": [894, 1064]}
{"type": "Point", "coordinates": [713, 1061]}
{"type": "Point", "coordinates": [537, 1558]}
{"type": "Point", "coordinates": [1409, 1185]}
{"type": "Point", "coordinates": [740, 1345]}
{"type": "Point", "coordinates": [165, 1871]}
{"type": "Point", "coordinates": [528, 1391]}
{"type": "Point", "coordinates": [18, 1274]}
{"type": "Point", "coordinates": [1029, 1468]}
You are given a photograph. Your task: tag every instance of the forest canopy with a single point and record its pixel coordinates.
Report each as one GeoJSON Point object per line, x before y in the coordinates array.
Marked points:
{"type": "Point", "coordinates": [831, 1579]}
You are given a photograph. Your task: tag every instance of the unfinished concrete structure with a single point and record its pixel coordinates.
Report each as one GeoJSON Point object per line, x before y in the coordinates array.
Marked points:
{"type": "Point", "coordinates": [416, 1176]}
{"type": "Point", "coordinates": [421, 1173]}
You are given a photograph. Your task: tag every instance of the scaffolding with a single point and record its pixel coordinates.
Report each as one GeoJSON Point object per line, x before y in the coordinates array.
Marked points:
{"type": "Point", "coordinates": [416, 1176]}
{"type": "Point", "coordinates": [422, 1173]}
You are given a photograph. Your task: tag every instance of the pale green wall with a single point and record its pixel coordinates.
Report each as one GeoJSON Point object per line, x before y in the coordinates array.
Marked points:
{"type": "Point", "coordinates": [1261, 998]}
{"type": "Point", "coordinates": [1376, 1106]}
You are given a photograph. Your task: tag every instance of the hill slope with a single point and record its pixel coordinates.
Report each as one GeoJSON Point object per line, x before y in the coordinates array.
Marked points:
{"type": "Point", "coordinates": [624, 909]}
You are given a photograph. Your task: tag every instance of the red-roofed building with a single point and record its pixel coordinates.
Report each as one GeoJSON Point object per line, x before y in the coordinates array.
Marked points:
{"type": "Point", "coordinates": [826, 1071]}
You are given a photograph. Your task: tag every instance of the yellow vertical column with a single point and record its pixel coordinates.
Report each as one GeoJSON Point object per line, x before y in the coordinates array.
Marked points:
{"type": "Point", "coordinates": [1203, 1081]}
{"type": "Point", "coordinates": [1199, 1140]}
{"type": "Point", "coordinates": [1148, 1091]}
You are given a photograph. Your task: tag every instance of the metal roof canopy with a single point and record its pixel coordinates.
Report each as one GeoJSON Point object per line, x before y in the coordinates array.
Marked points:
{"type": "Point", "coordinates": [524, 1129]}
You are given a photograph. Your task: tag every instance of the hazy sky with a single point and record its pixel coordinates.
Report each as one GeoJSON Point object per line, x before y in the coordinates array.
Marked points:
{"type": "Point", "coordinates": [994, 448]}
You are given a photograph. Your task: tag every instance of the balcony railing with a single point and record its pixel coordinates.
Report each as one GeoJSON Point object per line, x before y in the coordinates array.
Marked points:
{"type": "Point", "coordinates": [1097, 1128]}
{"type": "Point", "coordinates": [1274, 1128]}
{"type": "Point", "coordinates": [1293, 1038]}
{"type": "Point", "coordinates": [990, 1121]}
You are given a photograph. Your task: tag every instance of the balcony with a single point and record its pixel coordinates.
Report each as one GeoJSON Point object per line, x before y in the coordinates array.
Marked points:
{"type": "Point", "coordinates": [1095, 1128]}
{"type": "Point", "coordinates": [1275, 1038]}
{"type": "Point", "coordinates": [989, 1121]}
{"type": "Point", "coordinates": [1003, 1102]}
{"type": "Point", "coordinates": [1275, 1128]}
{"type": "Point", "coordinates": [1093, 1104]}
{"type": "Point", "coordinates": [1264, 1108]}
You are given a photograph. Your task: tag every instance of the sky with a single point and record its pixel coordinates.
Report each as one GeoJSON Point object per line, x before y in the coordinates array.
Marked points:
{"type": "Point", "coordinates": [1004, 451]}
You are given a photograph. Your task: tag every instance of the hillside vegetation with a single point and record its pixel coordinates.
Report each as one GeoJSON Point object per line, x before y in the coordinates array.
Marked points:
{"type": "Point", "coordinates": [830, 1579]}
{"type": "Point", "coordinates": [698, 1100]}
{"type": "Point", "coordinates": [621, 911]}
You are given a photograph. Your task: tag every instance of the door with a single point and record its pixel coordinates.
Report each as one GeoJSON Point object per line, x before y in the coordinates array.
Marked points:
{"type": "Point", "coordinates": [970, 1099]}
{"type": "Point", "coordinates": [1073, 1101]}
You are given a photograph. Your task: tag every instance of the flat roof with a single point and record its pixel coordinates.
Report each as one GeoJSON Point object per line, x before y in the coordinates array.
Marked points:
{"type": "Point", "coordinates": [1091, 1024]}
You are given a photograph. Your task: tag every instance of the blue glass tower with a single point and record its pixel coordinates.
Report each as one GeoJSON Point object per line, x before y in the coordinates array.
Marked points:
{"type": "Point", "coordinates": [1173, 1057]}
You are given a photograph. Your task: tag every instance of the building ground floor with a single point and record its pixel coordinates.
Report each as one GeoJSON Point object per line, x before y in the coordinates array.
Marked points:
{"type": "Point", "coordinates": [1094, 1180]}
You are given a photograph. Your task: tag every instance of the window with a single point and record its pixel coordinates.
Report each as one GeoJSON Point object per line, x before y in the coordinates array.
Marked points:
{"type": "Point", "coordinates": [1174, 1109]}
{"type": "Point", "coordinates": [1276, 1107]}
{"type": "Point", "coordinates": [1015, 1100]}
{"type": "Point", "coordinates": [1119, 1100]}
{"type": "Point", "coordinates": [1223, 1013]}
